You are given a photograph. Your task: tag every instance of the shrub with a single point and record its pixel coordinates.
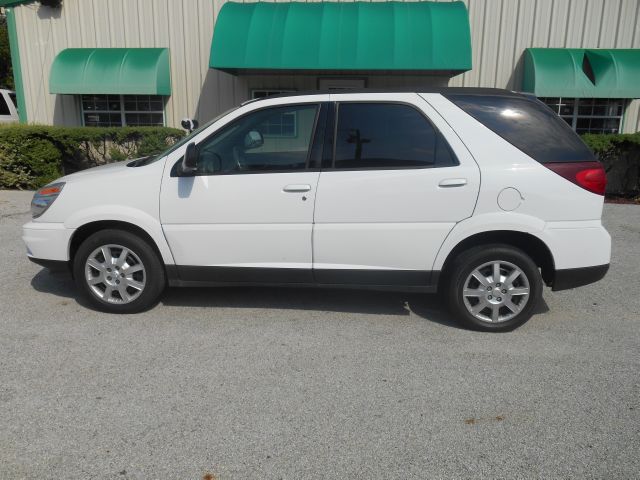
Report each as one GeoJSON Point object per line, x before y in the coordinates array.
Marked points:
{"type": "Point", "coordinates": [620, 154]}
{"type": "Point", "coordinates": [33, 155]}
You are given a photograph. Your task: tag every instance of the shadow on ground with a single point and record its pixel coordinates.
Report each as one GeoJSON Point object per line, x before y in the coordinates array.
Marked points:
{"type": "Point", "coordinates": [426, 306]}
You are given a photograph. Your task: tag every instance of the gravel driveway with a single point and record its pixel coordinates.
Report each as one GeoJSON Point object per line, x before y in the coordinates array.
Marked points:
{"type": "Point", "coordinates": [278, 383]}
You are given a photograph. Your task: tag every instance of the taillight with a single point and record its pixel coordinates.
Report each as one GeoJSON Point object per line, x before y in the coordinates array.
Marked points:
{"type": "Point", "coordinates": [588, 175]}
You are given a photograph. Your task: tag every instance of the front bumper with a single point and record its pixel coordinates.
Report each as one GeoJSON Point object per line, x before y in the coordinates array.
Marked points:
{"type": "Point", "coordinates": [53, 265]}
{"type": "Point", "coordinates": [577, 277]}
{"type": "Point", "coordinates": [47, 241]}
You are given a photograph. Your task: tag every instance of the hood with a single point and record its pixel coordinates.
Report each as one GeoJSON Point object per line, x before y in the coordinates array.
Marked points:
{"type": "Point", "coordinates": [107, 169]}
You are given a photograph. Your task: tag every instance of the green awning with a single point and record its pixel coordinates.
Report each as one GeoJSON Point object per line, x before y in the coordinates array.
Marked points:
{"type": "Point", "coordinates": [133, 71]}
{"type": "Point", "coordinates": [582, 73]}
{"type": "Point", "coordinates": [340, 36]}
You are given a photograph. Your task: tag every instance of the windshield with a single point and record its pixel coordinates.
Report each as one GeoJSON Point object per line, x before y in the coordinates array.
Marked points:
{"type": "Point", "coordinates": [147, 160]}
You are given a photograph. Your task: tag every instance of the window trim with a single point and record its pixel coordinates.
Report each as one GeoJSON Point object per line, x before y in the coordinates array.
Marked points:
{"type": "Point", "coordinates": [439, 134]}
{"type": "Point", "coordinates": [123, 112]}
{"type": "Point", "coordinates": [308, 167]}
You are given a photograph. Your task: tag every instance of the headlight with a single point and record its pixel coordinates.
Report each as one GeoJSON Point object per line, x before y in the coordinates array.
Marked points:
{"type": "Point", "coordinates": [44, 197]}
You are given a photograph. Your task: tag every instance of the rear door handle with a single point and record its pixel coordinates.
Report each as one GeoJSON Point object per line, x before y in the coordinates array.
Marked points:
{"type": "Point", "coordinates": [452, 182]}
{"type": "Point", "coordinates": [296, 188]}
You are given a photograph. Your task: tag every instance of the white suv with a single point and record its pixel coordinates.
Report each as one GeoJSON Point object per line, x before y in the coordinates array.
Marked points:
{"type": "Point", "coordinates": [481, 194]}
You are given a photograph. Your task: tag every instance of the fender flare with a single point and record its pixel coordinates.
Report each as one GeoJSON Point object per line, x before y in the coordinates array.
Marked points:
{"type": "Point", "coordinates": [132, 216]}
{"type": "Point", "coordinates": [499, 222]}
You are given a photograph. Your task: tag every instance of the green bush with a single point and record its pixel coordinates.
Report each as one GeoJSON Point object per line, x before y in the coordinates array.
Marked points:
{"type": "Point", "coordinates": [33, 155]}
{"type": "Point", "coordinates": [607, 145]}
{"type": "Point", "coordinates": [620, 155]}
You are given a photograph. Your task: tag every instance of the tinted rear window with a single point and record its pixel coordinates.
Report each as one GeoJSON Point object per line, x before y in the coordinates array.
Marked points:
{"type": "Point", "coordinates": [527, 124]}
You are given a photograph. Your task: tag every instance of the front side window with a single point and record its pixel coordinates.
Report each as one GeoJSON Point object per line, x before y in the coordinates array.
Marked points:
{"type": "Point", "coordinates": [589, 115]}
{"type": "Point", "coordinates": [248, 145]}
{"type": "Point", "coordinates": [282, 126]}
{"type": "Point", "coordinates": [383, 135]}
{"type": "Point", "coordinates": [123, 110]}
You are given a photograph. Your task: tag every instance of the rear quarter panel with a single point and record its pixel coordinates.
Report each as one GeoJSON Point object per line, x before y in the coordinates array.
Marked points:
{"type": "Point", "coordinates": [546, 199]}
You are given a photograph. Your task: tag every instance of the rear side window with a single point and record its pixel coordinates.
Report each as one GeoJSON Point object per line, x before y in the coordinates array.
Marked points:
{"type": "Point", "coordinates": [12, 96]}
{"type": "Point", "coordinates": [4, 108]}
{"type": "Point", "coordinates": [527, 124]}
{"type": "Point", "coordinates": [383, 135]}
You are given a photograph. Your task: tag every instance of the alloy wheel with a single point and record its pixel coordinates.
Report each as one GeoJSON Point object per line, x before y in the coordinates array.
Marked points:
{"type": "Point", "coordinates": [115, 274]}
{"type": "Point", "coordinates": [496, 291]}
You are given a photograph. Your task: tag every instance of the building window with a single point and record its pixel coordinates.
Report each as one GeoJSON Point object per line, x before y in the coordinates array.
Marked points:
{"type": "Point", "coordinates": [278, 126]}
{"type": "Point", "coordinates": [589, 115]}
{"type": "Point", "coordinates": [262, 93]}
{"type": "Point", "coordinates": [122, 110]}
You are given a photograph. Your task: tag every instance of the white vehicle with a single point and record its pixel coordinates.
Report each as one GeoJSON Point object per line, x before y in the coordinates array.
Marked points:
{"type": "Point", "coordinates": [8, 109]}
{"type": "Point", "coordinates": [480, 194]}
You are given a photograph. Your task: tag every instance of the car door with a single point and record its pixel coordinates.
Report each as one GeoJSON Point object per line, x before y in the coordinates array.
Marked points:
{"type": "Point", "coordinates": [246, 214]}
{"type": "Point", "coordinates": [398, 182]}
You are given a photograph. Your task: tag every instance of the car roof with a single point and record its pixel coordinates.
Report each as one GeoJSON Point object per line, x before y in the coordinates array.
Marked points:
{"type": "Point", "coordinates": [441, 90]}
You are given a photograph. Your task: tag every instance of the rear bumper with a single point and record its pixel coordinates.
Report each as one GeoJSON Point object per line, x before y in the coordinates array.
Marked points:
{"type": "Point", "coordinates": [578, 244]}
{"type": "Point", "coordinates": [577, 277]}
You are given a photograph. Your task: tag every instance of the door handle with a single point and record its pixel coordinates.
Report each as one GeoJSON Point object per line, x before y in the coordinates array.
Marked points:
{"type": "Point", "coordinates": [296, 188]}
{"type": "Point", "coordinates": [452, 182]}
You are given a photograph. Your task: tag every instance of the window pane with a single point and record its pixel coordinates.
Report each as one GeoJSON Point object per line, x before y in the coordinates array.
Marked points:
{"type": "Point", "coordinates": [157, 119]}
{"type": "Point", "coordinates": [585, 110]}
{"type": "Point", "coordinates": [88, 102]}
{"type": "Point", "coordinates": [379, 135]}
{"type": "Point", "coordinates": [12, 96]}
{"type": "Point", "coordinates": [271, 139]}
{"type": "Point", "coordinates": [156, 103]}
{"type": "Point", "coordinates": [100, 119]}
{"type": "Point", "coordinates": [527, 125]}
{"type": "Point", "coordinates": [4, 108]}
{"type": "Point", "coordinates": [567, 106]}
{"type": "Point", "coordinates": [144, 119]}
{"type": "Point", "coordinates": [130, 104]}
{"type": "Point", "coordinates": [100, 103]}
{"type": "Point", "coordinates": [143, 103]}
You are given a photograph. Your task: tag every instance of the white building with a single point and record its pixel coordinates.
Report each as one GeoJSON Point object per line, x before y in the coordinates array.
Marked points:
{"type": "Point", "coordinates": [141, 62]}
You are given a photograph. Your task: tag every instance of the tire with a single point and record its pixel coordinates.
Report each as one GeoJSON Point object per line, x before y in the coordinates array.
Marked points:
{"type": "Point", "coordinates": [479, 302]}
{"type": "Point", "coordinates": [118, 284]}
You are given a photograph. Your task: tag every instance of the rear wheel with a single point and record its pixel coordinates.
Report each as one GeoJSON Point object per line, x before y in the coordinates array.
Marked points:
{"type": "Point", "coordinates": [118, 272]}
{"type": "Point", "coordinates": [494, 288]}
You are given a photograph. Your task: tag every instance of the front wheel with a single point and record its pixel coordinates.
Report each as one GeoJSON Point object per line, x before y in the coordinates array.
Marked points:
{"type": "Point", "coordinates": [494, 288]}
{"type": "Point", "coordinates": [118, 272]}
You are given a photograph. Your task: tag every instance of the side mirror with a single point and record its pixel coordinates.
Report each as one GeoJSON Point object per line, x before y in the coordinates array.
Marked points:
{"type": "Point", "coordinates": [253, 139]}
{"type": "Point", "coordinates": [189, 163]}
{"type": "Point", "coordinates": [189, 124]}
